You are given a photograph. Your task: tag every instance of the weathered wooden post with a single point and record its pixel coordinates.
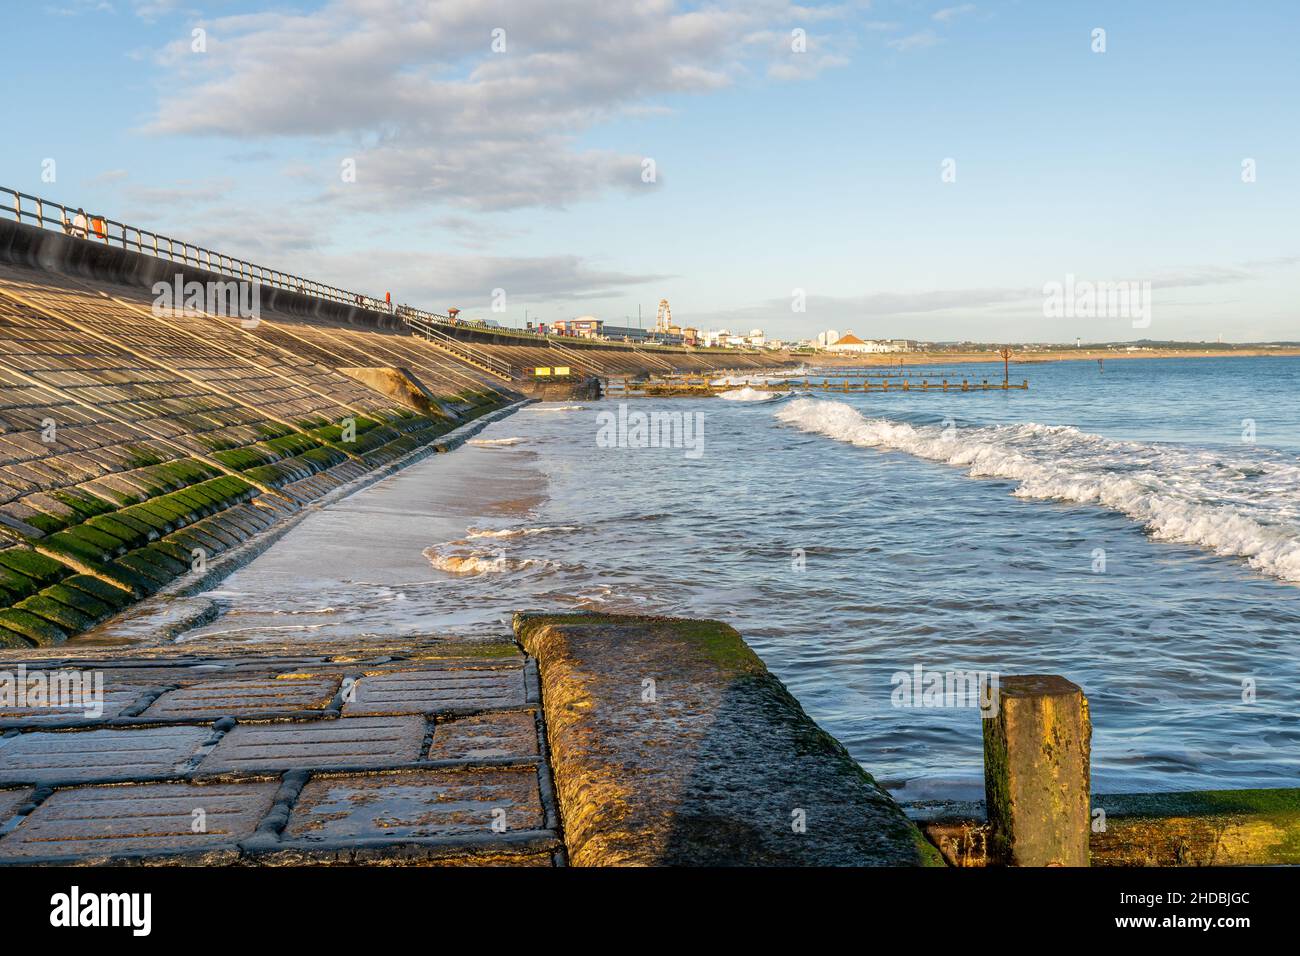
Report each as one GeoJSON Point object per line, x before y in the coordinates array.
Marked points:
{"type": "Point", "coordinates": [1036, 756]}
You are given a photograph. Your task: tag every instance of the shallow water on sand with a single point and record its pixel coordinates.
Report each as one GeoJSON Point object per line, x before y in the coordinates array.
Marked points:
{"type": "Point", "coordinates": [1114, 527]}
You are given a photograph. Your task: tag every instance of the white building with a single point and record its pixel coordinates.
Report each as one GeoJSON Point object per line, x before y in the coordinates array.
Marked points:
{"type": "Point", "coordinates": [849, 342]}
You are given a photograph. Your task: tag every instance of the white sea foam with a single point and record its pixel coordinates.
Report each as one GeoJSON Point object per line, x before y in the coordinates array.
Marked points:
{"type": "Point", "coordinates": [479, 562]}
{"type": "Point", "coordinates": [747, 380]}
{"type": "Point", "coordinates": [748, 394]}
{"type": "Point", "coordinates": [555, 408]}
{"type": "Point", "coordinates": [1237, 504]}
{"type": "Point", "coordinates": [492, 442]}
{"type": "Point", "coordinates": [516, 532]}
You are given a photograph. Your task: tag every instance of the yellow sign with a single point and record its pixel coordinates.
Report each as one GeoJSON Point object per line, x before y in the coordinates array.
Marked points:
{"type": "Point", "coordinates": [541, 371]}
{"type": "Point", "coordinates": [561, 370]}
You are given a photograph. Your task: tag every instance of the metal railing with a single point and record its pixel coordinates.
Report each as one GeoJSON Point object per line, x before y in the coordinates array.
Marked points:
{"type": "Point", "coordinates": [56, 216]}
{"type": "Point", "coordinates": [47, 214]}
{"type": "Point", "coordinates": [426, 324]}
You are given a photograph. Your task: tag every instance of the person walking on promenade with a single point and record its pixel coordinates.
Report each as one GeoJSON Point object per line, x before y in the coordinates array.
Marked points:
{"type": "Point", "coordinates": [388, 301]}
{"type": "Point", "coordinates": [79, 224]}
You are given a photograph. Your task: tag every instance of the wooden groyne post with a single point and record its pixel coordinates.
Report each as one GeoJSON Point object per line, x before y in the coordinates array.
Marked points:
{"type": "Point", "coordinates": [1037, 811]}
{"type": "Point", "coordinates": [1037, 750]}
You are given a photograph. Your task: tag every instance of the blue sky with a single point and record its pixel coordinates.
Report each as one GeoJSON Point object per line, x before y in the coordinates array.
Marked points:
{"type": "Point", "coordinates": [776, 170]}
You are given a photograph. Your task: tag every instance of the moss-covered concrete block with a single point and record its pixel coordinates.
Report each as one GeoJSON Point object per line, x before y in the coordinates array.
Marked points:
{"type": "Point", "coordinates": [146, 565]}
{"type": "Point", "coordinates": [672, 744]}
{"type": "Point", "coordinates": [1202, 828]}
{"type": "Point", "coordinates": [16, 586]}
{"type": "Point", "coordinates": [92, 607]}
{"type": "Point", "coordinates": [62, 616]}
{"type": "Point", "coordinates": [31, 565]}
{"type": "Point", "coordinates": [115, 597]}
{"type": "Point", "coordinates": [36, 629]}
{"type": "Point", "coordinates": [12, 640]}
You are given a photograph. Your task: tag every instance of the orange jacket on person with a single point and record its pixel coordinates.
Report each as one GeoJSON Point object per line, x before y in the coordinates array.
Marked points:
{"type": "Point", "coordinates": [97, 225]}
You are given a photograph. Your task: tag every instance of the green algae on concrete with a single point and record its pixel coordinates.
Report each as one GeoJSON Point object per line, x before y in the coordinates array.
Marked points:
{"type": "Point", "coordinates": [36, 630]}
{"type": "Point", "coordinates": [112, 595]}
{"type": "Point", "coordinates": [1194, 828]}
{"type": "Point", "coordinates": [1201, 828]}
{"type": "Point", "coordinates": [487, 651]}
{"type": "Point", "coordinates": [1037, 749]}
{"type": "Point", "coordinates": [29, 564]}
{"type": "Point", "coordinates": [672, 744]}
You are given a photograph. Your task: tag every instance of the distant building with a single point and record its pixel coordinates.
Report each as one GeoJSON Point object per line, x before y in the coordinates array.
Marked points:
{"type": "Point", "coordinates": [848, 342]}
{"type": "Point", "coordinates": [628, 333]}
{"type": "Point", "coordinates": [585, 327]}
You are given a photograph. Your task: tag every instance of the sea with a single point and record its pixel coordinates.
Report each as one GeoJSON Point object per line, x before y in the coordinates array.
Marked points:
{"type": "Point", "coordinates": [1133, 526]}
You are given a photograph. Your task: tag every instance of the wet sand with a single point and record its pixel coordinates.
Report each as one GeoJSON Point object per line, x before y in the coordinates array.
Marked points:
{"type": "Point", "coordinates": [357, 567]}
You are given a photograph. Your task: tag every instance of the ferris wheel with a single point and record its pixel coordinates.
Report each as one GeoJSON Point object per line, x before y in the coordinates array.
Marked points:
{"type": "Point", "coordinates": [664, 318]}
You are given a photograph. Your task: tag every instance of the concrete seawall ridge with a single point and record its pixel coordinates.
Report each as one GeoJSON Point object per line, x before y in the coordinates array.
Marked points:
{"type": "Point", "coordinates": [673, 745]}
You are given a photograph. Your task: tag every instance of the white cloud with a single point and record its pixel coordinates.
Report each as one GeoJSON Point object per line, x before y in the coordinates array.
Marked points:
{"type": "Point", "coordinates": [76, 8]}
{"type": "Point", "coordinates": [466, 281]}
{"type": "Point", "coordinates": [1011, 311]}
{"type": "Point", "coordinates": [915, 41]}
{"type": "Point", "coordinates": [108, 177]}
{"type": "Point", "coordinates": [948, 14]}
{"type": "Point", "coordinates": [150, 10]}
{"type": "Point", "coordinates": [414, 91]}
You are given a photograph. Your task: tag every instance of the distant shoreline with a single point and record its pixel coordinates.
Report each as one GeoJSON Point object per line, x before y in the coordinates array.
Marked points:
{"type": "Point", "coordinates": [894, 359]}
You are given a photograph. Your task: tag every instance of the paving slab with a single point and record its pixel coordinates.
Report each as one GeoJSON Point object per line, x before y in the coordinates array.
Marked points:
{"type": "Point", "coordinates": [78, 700]}
{"type": "Point", "coordinates": [506, 734]}
{"type": "Point", "coordinates": [437, 690]}
{"type": "Point", "coordinates": [343, 742]}
{"type": "Point", "coordinates": [153, 818]}
{"type": "Point", "coordinates": [435, 803]}
{"type": "Point", "coordinates": [82, 756]}
{"type": "Point", "coordinates": [246, 697]}
{"type": "Point", "coordinates": [11, 800]}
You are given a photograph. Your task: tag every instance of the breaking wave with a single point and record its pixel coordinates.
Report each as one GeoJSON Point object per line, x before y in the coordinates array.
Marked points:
{"type": "Point", "coordinates": [479, 562]}
{"type": "Point", "coordinates": [489, 442]}
{"type": "Point", "coordinates": [554, 408]}
{"type": "Point", "coordinates": [1238, 505]}
{"type": "Point", "coordinates": [739, 380]}
{"type": "Point", "coordinates": [748, 394]}
{"type": "Point", "coordinates": [516, 532]}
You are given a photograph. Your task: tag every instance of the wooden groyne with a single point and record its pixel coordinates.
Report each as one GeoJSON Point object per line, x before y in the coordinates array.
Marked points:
{"type": "Point", "coordinates": [627, 387]}
{"type": "Point", "coordinates": [1038, 809]}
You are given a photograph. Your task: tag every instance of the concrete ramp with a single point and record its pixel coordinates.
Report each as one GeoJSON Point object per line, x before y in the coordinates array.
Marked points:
{"type": "Point", "coordinates": [672, 744]}
{"type": "Point", "coordinates": [401, 386]}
